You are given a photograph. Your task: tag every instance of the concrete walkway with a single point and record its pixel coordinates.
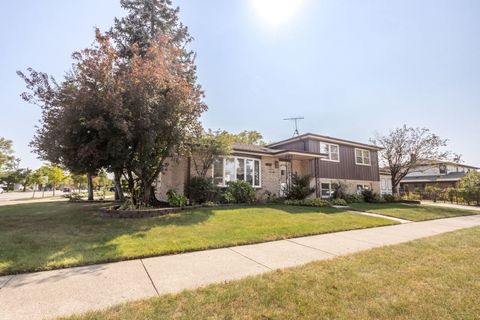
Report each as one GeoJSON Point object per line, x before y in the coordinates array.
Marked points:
{"type": "Point", "coordinates": [451, 205]}
{"type": "Point", "coordinates": [62, 292]}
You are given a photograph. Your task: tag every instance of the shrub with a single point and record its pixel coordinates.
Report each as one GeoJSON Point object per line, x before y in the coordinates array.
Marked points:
{"type": "Point", "coordinates": [412, 196]}
{"type": "Point", "coordinates": [315, 202]}
{"type": "Point", "coordinates": [339, 202]}
{"type": "Point", "coordinates": [175, 199]}
{"type": "Point", "coordinates": [370, 196]}
{"type": "Point", "coordinates": [239, 192]}
{"type": "Point", "coordinates": [299, 188]}
{"type": "Point", "coordinates": [201, 190]}
{"type": "Point", "coordinates": [354, 198]}
{"type": "Point", "coordinates": [74, 196]}
{"type": "Point", "coordinates": [389, 198]}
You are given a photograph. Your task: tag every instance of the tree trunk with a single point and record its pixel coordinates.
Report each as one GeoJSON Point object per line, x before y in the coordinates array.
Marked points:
{"type": "Point", "coordinates": [119, 196]}
{"type": "Point", "coordinates": [34, 187]}
{"type": "Point", "coordinates": [90, 186]}
{"type": "Point", "coordinates": [53, 185]}
{"type": "Point", "coordinates": [131, 187]}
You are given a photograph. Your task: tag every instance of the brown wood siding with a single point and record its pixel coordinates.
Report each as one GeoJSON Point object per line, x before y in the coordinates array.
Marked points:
{"type": "Point", "coordinates": [345, 169]}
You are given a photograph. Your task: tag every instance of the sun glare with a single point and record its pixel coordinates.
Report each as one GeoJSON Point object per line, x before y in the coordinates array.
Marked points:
{"type": "Point", "coordinates": [276, 12]}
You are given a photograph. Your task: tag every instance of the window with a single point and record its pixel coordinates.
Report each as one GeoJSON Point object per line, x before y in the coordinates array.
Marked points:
{"type": "Point", "coordinates": [360, 188]}
{"type": "Point", "coordinates": [331, 149]}
{"type": "Point", "coordinates": [327, 190]}
{"type": "Point", "coordinates": [362, 157]}
{"type": "Point", "coordinates": [226, 170]}
{"type": "Point", "coordinates": [443, 169]}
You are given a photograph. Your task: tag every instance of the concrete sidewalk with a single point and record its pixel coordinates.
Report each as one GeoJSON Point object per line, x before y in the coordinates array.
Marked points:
{"type": "Point", "coordinates": [451, 205]}
{"type": "Point", "coordinates": [63, 292]}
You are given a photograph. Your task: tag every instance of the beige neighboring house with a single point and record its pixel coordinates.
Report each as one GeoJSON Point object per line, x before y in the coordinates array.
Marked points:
{"type": "Point", "coordinates": [443, 174]}
{"type": "Point", "coordinates": [327, 160]}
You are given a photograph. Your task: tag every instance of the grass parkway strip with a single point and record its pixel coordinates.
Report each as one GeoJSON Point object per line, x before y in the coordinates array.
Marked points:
{"type": "Point", "coordinates": [44, 236]}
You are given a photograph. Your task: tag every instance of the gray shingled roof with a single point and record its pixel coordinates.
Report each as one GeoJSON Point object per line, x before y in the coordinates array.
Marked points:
{"type": "Point", "coordinates": [452, 176]}
{"type": "Point", "coordinates": [253, 148]}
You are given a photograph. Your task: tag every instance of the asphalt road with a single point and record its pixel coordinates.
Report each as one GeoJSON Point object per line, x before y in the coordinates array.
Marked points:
{"type": "Point", "coordinates": [12, 196]}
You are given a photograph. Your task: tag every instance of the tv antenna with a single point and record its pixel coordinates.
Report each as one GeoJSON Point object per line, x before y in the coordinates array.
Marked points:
{"type": "Point", "coordinates": [295, 133]}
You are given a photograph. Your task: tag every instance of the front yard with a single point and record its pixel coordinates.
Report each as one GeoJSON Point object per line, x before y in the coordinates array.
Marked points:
{"type": "Point", "coordinates": [434, 278]}
{"type": "Point", "coordinates": [45, 236]}
{"type": "Point", "coordinates": [412, 212]}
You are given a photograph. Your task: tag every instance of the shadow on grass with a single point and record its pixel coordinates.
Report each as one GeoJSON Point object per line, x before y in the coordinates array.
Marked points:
{"type": "Point", "coordinates": [52, 235]}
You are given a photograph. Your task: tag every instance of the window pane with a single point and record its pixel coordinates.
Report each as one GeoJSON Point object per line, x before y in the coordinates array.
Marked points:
{"type": "Point", "coordinates": [249, 171]}
{"type": "Point", "coordinates": [326, 191]}
{"type": "Point", "coordinates": [334, 153]}
{"type": "Point", "coordinates": [359, 160]}
{"type": "Point", "coordinates": [358, 153]}
{"type": "Point", "coordinates": [241, 169]}
{"type": "Point", "coordinates": [218, 171]}
{"type": "Point", "coordinates": [257, 173]}
{"type": "Point", "coordinates": [324, 148]}
{"type": "Point", "coordinates": [366, 157]}
{"type": "Point", "coordinates": [229, 170]}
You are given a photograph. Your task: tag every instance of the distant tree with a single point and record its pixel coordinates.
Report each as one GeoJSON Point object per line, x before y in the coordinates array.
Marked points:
{"type": "Point", "coordinates": [38, 181]}
{"type": "Point", "coordinates": [79, 181]}
{"type": "Point", "coordinates": [404, 148]}
{"type": "Point", "coordinates": [470, 187]}
{"type": "Point", "coordinates": [7, 159]}
{"type": "Point", "coordinates": [206, 146]}
{"type": "Point", "coordinates": [24, 178]}
{"type": "Point", "coordinates": [249, 137]}
{"type": "Point", "coordinates": [54, 174]}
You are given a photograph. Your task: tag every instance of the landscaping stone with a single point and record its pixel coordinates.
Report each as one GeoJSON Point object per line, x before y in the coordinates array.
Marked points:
{"type": "Point", "coordinates": [115, 213]}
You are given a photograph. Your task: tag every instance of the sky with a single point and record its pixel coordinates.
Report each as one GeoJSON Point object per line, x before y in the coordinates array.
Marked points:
{"type": "Point", "coordinates": [351, 68]}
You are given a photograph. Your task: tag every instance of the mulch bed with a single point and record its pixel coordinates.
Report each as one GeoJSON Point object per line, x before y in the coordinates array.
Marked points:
{"type": "Point", "coordinates": [115, 213]}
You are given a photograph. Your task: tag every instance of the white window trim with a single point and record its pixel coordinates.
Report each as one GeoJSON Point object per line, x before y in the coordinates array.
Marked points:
{"type": "Point", "coordinates": [363, 164]}
{"type": "Point", "coordinates": [329, 153]}
{"type": "Point", "coordinates": [223, 185]}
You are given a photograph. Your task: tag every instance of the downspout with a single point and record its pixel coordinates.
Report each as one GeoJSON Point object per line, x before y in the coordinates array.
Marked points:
{"type": "Point", "coordinates": [188, 177]}
{"type": "Point", "coordinates": [316, 178]}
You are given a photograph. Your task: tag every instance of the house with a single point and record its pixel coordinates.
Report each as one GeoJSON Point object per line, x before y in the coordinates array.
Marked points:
{"type": "Point", "coordinates": [328, 161]}
{"type": "Point", "coordinates": [443, 174]}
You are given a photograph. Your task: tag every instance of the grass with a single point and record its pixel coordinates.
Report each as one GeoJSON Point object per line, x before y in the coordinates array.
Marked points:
{"type": "Point", "coordinates": [433, 278]}
{"type": "Point", "coordinates": [42, 236]}
{"type": "Point", "coordinates": [413, 212]}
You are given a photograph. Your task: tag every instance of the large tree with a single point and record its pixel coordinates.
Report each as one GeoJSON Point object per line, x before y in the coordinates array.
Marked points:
{"type": "Point", "coordinates": [82, 127]}
{"type": "Point", "coordinates": [164, 108]}
{"type": "Point", "coordinates": [405, 148]}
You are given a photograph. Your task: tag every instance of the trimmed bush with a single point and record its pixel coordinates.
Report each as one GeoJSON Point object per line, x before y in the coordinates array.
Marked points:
{"type": "Point", "coordinates": [354, 198]}
{"type": "Point", "coordinates": [389, 198]}
{"type": "Point", "coordinates": [201, 190]}
{"type": "Point", "coordinates": [175, 199]}
{"type": "Point", "coordinates": [370, 196]}
{"type": "Point", "coordinates": [239, 192]}
{"type": "Point", "coordinates": [316, 202]}
{"type": "Point", "coordinates": [339, 202]}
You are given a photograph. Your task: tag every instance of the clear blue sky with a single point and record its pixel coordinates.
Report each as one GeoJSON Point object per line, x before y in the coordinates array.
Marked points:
{"type": "Point", "coordinates": [349, 67]}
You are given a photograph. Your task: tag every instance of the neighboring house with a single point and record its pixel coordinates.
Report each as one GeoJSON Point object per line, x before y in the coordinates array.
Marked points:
{"type": "Point", "coordinates": [443, 174]}
{"type": "Point", "coordinates": [329, 161]}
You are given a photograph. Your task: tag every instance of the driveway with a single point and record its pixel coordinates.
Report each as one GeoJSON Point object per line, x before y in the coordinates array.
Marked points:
{"type": "Point", "coordinates": [56, 293]}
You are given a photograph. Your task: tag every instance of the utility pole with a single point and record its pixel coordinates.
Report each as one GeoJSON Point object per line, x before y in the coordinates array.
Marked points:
{"type": "Point", "coordinates": [295, 119]}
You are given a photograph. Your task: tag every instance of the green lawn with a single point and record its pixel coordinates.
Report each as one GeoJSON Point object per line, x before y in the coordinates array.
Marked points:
{"type": "Point", "coordinates": [413, 212]}
{"type": "Point", "coordinates": [40, 236]}
{"type": "Point", "coordinates": [433, 278]}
